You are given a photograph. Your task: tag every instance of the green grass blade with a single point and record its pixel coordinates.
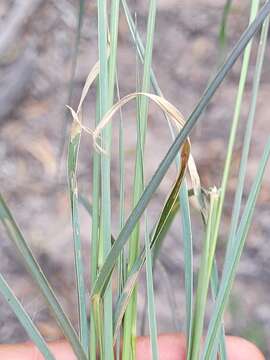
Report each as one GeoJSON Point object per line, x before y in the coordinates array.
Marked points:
{"type": "Point", "coordinates": [247, 138]}
{"type": "Point", "coordinates": [150, 296]}
{"type": "Point", "coordinates": [105, 213]}
{"type": "Point", "coordinates": [73, 150]}
{"type": "Point", "coordinates": [95, 233]}
{"type": "Point", "coordinates": [40, 279]}
{"type": "Point", "coordinates": [113, 48]}
{"type": "Point", "coordinates": [204, 278]}
{"type": "Point", "coordinates": [114, 22]}
{"type": "Point", "coordinates": [165, 217]}
{"type": "Point", "coordinates": [187, 235]}
{"type": "Point", "coordinates": [24, 319]}
{"type": "Point", "coordinates": [129, 336]}
{"type": "Point", "coordinates": [245, 151]}
{"type": "Point", "coordinates": [236, 115]}
{"type": "Point", "coordinates": [89, 209]}
{"type": "Point", "coordinates": [234, 125]}
{"type": "Point", "coordinates": [172, 198]}
{"type": "Point", "coordinates": [188, 261]}
{"type": "Point", "coordinates": [222, 36]}
{"type": "Point", "coordinates": [122, 259]}
{"type": "Point", "coordinates": [230, 270]}
{"type": "Point", "coordinates": [221, 346]}
{"type": "Point", "coordinates": [139, 44]}
{"type": "Point", "coordinates": [74, 61]}
{"type": "Point", "coordinates": [221, 341]}
{"type": "Point", "coordinates": [152, 186]}
{"type": "Point", "coordinates": [163, 232]}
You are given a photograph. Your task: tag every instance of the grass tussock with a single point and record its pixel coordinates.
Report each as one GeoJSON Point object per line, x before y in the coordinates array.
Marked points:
{"type": "Point", "coordinates": [107, 325]}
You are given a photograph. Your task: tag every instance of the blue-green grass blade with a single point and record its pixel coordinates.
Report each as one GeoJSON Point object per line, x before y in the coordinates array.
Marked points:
{"type": "Point", "coordinates": [167, 211]}
{"type": "Point", "coordinates": [221, 346]}
{"type": "Point", "coordinates": [114, 23]}
{"type": "Point", "coordinates": [245, 151]}
{"type": "Point", "coordinates": [95, 233]}
{"type": "Point", "coordinates": [234, 126]}
{"type": "Point", "coordinates": [186, 225]}
{"type": "Point", "coordinates": [150, 295]}
{"type": "Point", "coordinates": [89, 209]}
{"type": "Point", "coordinates": [39, 278]}
{"type": "Point", "coordinates": [163, 232]}
{"type": "Point", "coordinates": [73, 150]}
{"type": "Point", "coordinates": [105, 203]}
{"type": "Point", "coordinates": [122, 260]}
{"type": "Point", "coordinates": [139, 44]}
{"type": "Point", "coordinates": [25, 319]}
{"type": "Point", "coordinates": [203, 278]}
{"type": "Point", "coordinates": [247, 137]}
{"type": "Point", "coordinates": [152, 186]}
{"type": "Point", "coordinates": [74, 61]}
{"type": "Point", "coordinates": [222, 35]}
{"type": "Point", "coordinates": [230, 270]}
{"type": "Point", "coordinates": [188, 261]}
{"type": "Point", "coordinates": [236, 117]}
{"type": "Point", "coordinates": [129, 330]}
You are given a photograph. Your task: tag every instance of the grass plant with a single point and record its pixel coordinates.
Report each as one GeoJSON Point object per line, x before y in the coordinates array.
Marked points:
{"type": "Point", "coordinates": [112, 320]}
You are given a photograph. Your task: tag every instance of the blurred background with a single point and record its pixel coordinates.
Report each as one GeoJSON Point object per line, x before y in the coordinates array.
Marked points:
{"type": "Point", "coordinates": [37, 40]}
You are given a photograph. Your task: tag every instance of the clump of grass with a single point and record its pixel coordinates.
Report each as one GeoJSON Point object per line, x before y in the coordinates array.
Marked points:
{"type": "Point", "coordinates": [100, 336]}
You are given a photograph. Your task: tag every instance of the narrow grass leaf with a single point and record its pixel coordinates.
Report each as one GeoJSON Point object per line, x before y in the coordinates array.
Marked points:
{"type": "Point", "coordinates": [234, 126]}
{"type": "Point", "coordinates": [244, 157]}
{"type": "Point", "coordinates": [139, 44]}
{"type": "Point", "coordinates": [204, 278]}
{"type": "Point", "coordinates": [73, 150]}
{"type": "Point", "coordinates": [114, 22]}
{"type": "Point", "coordinates": [40, 279]}
{"type": "Point", "coordinates": [129, 328]}
{"type": "Point", "coordinates": [222, 36]}
{"type": "Point", "coordinates": [163, 232]}
{"type": "Point", "coordinates": [221, 346]}
{"type": "Point", "coordinates": [74, 61]}
{"type": "Point", "coordinates": [247, 137]}
{"type": "Point", "coordinates": [25, 319]}
{"type": "Point", "coordinates": [95, 237]}
{"type": "Point", "coordinates": [105, 201]}
{"type": "Point", "coordinates": [236, 116]}
{"type": "Point", "coordinates": [150, 295]}
{"type": "Point", "coordinates": [167, 210]}
{"type": "Point", "coordinates": [230, 270]}
{"type": "Point", "coordinates": [188, 261]}
{"type": "Point", "coordinates": [187, 235]}
{"type": "Point", "coordinates": [123, 237]}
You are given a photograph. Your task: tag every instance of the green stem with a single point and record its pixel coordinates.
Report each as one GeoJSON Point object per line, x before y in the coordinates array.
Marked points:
{"type": "Point", "coordinates": [204, 278]}
{"type": "Point", "coordinates": [95, 234]}
{"type": "Point", "coordinates": [131, 312]}
{"type": "Point", "coordinates": [235, 121]}
{"type": "Point", "coordinates": [105, 229]}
